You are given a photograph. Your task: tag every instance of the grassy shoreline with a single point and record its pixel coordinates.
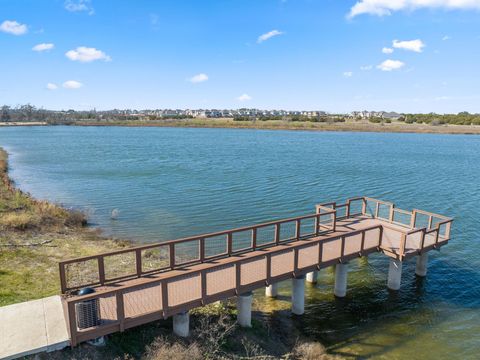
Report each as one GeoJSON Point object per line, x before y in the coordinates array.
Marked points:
{"type": "Point", "coordinates": [35, 235]}
{"type": "Point", "coordinates": [349, 126]}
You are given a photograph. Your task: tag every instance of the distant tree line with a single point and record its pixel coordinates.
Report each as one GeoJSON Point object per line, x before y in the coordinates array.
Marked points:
{"type": "Point", "coordinates": [30, 113]}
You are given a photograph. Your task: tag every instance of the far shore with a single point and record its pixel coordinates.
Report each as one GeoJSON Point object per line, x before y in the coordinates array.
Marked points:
{"type": "Point", "coordinates": [228, 123]}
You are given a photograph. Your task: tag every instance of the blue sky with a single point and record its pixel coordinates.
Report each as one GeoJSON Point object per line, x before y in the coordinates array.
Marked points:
{"type": "Point", "coordinates": [338, 56]}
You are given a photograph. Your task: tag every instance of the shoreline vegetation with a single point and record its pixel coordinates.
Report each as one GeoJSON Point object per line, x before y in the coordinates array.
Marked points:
{"type": "Point", "coordinates": [35, 235]}
{"type": "Point", "coordinates": [229, 123]}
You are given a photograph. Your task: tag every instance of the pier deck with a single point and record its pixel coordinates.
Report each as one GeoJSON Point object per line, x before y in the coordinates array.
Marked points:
{"type": "Point", "coordinates": [147, 283]}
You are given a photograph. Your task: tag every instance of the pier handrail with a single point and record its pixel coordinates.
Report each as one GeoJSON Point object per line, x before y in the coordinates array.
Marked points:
{"type": "Point", "coordinates": [202, 242]}
{"type": "Point", "coordinates": [114, 300]}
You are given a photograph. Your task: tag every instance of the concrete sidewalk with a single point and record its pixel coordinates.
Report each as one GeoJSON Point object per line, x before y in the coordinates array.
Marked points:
{"type": "Point", "coordinates": [32, 327]}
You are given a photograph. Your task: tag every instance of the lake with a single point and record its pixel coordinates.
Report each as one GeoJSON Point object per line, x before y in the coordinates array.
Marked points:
{"type": "Point", "coordinates": [154, 184]}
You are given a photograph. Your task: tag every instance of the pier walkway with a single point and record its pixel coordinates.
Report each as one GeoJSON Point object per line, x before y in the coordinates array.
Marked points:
{"type": "Point", "coordinates": [146, 283]}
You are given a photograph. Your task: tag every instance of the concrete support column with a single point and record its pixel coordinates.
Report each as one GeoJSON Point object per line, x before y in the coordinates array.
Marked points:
{"type": "Point", "coordinates": [312, 277]}
{"type": "Point", "coordinates": [298, 295]}
{"type": "Point", "coordinates": [394, 274]}
{"type": "Point", "coordinates": [244, 309]}
{"type": "Point", "coordinates": [271, 290]}
{"type": "Point", "coordinates": [181, 324]}
{"type": "Point", "coordinates": [341, 271]}
{"type": "Point", "coordinates": [422, 261]}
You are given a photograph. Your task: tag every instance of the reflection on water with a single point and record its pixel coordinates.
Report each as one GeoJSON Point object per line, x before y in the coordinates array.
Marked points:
{"type": "Point", "coordinates": [167, 183]}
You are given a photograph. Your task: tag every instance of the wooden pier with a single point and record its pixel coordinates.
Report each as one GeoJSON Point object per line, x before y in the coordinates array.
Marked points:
{"type": "Point", "coordinates": [146, 283]}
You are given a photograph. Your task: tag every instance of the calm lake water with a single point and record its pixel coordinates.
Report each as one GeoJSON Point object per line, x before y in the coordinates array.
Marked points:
{"type": "Point", "coordinates": [165, 183]}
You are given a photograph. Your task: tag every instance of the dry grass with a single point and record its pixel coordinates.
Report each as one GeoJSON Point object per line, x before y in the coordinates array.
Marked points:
{"type": "Point", "coordinates": [363, 126]}
{"type": "Point", "coordinates": [34, 237]}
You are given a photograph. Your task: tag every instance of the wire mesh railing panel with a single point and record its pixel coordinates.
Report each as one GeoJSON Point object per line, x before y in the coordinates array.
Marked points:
{"type": "Point", "coordinates": [187, 251]}
{"type": "Point", "coordinates": [220, 279]}
{"type": "Point", "coordinates": [435, 221]}
{"type": "Point", "coordinates": [356, 206]}
{"type": "Point", "coordinates": [142, 300]}
{"type": "Point", "coordinates": [155, 258]}
{"type": "Point", "coordinates": [215, 246]}
{"type": "Point", "coordinates": [370, 207]}
{"type": "Point", "coordinates": [384, 211]}
{"type": "Point", "coordinates": [119, 265]}
{"type": "Point", "coordinates": [326, 222]}
{"type": "Point", "coordinates": [184, 290]}
{"type": "Point", "coordinates": [266, 235]}
{"type": "Point", "coordinates": [331, 249]}
{"type": "Point", "coordinates": [421, 220]}
{"type": "Point", "coordinates": [253, 271]}
{"type": "Point", "coordinates": [282, 263]}
{"type": "Point", "coordinates": [242, 240]}
{"type": "Point", "coordinates": [308, 256]}
{"type": "Point", "coordinates": [443, 230]}
{"type": "Point", "coordinates": [413, 241]}
{"type": "Point", "coordinates": [307, 227]}
{"type": "Point", "coordinates": [81, 273]}
{"type": "Point", "coordinates": [341, 212]}
{"type": "Point", "coordinates": [288, 230]}
{"type": "Point", "coordinates": [430, 238]}
{"type": "Point", "coordinates": [402, 218]}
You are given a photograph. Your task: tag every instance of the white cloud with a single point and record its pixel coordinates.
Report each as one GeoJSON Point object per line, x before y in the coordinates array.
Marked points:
{"type": "Point", "coordinates": [244, 97]}
{"type": "Point", "coordinates": [13, 27]}
{"type": "Point", "coordinates": [86, 54]}
{"type": "Point", "coordinates": [268, 35]}
{"type": "Point", "coordinates": [72, 84]}
{"type": "Point", "coordinates": [389, 65]}
{"type": "Point", "coordinates": [411, 45]}
{"type": "Point", "coordinates": [366, 67]}
{"type": "Point", "coordinates": [348, 74]}
{"type": "Point", "coordinates": [43, 47]}
{"type": "Point", "coordinates": [446, 37]}
{"type": "Point", "coordinates": [79, 6]}
{"type": "Point", "coordinates": [387, 7]}
{"type": "Point", "coordinates": [52, 86]}
{"type": "Point", "coordinates": [387, 50]}
{"type": "Point", "coordinates": [198, 78]}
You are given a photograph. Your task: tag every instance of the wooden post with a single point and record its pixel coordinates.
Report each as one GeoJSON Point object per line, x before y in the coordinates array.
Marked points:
{"type": "Point", "coordinates": [138, 261]}
{"type": "Point", "coordinates": [101, 270]}
{"type": "Point", "coordinates": [63, 278]}
{"type": "Point", "coordinates": [254, 238]}
{"type": "Point", "coordinates": [317, 224]}
{"type": "Point", "coordinates": [334, 221]}
{"type": "Point", "coordinates": [202, 250]}
{"type": "Point", "coordinates": [377, 209]}
{"type": "Point", "coordinates": [392, 213]}
{"type": "Point", "coordinates": [297, 230]}
{"type": "Point", "coordinates": [430, 219]}
{"type": "Point", "coordinates": [229, 244]}
{"type": "Point", "coordinates": [120, 310]}
{"type": "Point", "coordinates": [277, 233]}
{"type": "Point", "coordinates": [364, 206]}
{"type": "Point", "coordinates": [413, 219]}
{"type": "Point", "coordinates": [172, 256]}
{"type": "Point", "coordinates": [72, 320]}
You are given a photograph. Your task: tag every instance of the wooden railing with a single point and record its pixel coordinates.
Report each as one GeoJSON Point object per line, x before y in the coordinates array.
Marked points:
{"type": "Point", "coordinates": [95, 270]}
{"type": "Point", "coordinates": [116, 302]}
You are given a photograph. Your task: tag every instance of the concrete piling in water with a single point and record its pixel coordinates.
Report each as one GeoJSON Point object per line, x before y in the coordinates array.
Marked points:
{"type": "Point", "coordinates": [421, 268]}
{"type": "Point", "coordinates": [394, 274]}
{"type": "Point", "coordinates": [298, 295]}
{"type": "Point", "coordinates": [341, 271]}
{"type": "Point", "coordinates": [244, 309]}
{"type": "Point", "coordinates": [312, 277]}
{"type": "Point", "coordinates": [271, 290]}
{"type": "Point", "coordinates": [181, 324]}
